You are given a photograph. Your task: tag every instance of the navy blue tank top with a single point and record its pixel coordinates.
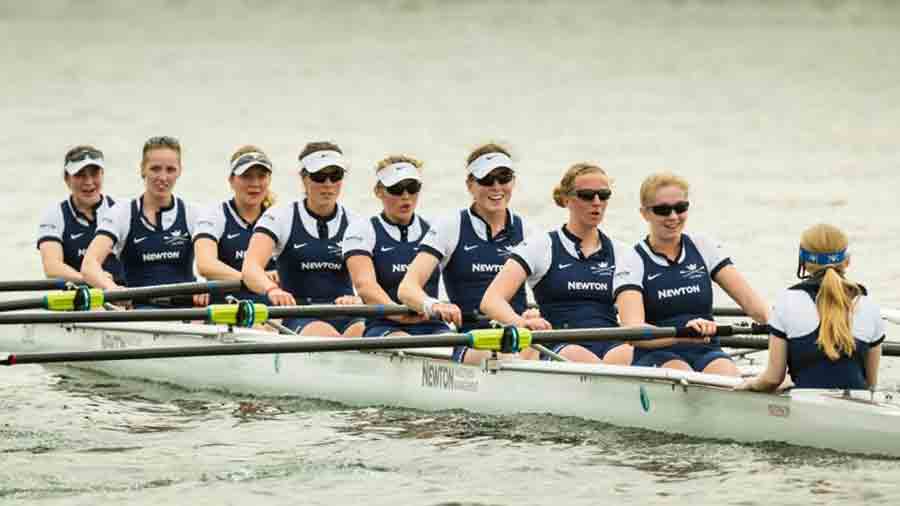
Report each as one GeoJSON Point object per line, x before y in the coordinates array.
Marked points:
{"type": "Point", "coordinates": [578, 292]}
{"type": "Point", "coordinates": [392, 257]}
{"type": "Point", "coordinates": [474, 264]}
{"type": "Point", "coordinates": [808, 365]}
{"type": "Point", "coordinates": [311, 268]}
{"type": "Point", "coordinates": [232, 247]}
{"type": "Point", "coordinates": [158, 256]}
{"type": "Point", "coordinates": [77, 237]}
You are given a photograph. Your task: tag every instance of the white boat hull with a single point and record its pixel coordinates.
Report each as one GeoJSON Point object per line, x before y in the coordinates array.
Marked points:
{"type": "Point", "coordinates": [686, 403]}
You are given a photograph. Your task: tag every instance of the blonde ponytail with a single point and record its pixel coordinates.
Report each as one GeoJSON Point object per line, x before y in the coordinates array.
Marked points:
{"type": "Point", "coordinates": [837, 295]}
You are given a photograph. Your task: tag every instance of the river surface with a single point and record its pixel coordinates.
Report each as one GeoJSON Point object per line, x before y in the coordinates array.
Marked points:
{"type": "Point", "coordinates": [781, 115]}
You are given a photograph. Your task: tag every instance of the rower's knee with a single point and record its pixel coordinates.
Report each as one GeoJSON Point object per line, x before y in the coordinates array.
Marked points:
{"type": "Point", "coordinates": [355, 330]}
{"type": "Point", "coordinates": [620, 355]}
{"type": "Point", "coordinates": [575, 353]}
{"type": "Point", "coordinates": [723, 367]}
{"type": "Point", "coordinates": [319, 329]}
{"type": "Point", "coordinates": [679, 365]}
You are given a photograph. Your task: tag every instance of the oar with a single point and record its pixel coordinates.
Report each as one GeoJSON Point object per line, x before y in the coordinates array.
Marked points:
{"type": "Point", "coordinates": [32, 285]}
{"type": "Point", "coordinates": [505, 340]}
{"type": "Point", "coordinates": [244, 315]}
{"type": "Point", "coordinates": [761, 343]}
{"type": "Point", "coordinates": [84, 298]}
{"type": "Point", "coordinates": [891, 315]}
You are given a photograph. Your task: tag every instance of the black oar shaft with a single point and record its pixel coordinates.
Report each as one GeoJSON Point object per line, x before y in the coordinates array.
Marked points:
{"type": "Point", "coordinates": [345, 344]}
{"type": "Point", "coordinates": [761, 343]}
{"type": "Point", "coordinates": [32, 285]}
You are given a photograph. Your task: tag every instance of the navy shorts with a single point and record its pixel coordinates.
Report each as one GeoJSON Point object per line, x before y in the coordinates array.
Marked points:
{"type": "Point", "coordinates": [599, 348]}
{"type": "Point", "coordinates": [340, 324]}
{"type": "Point", "coordinates": [698, 358]}
{"type": "Point", "coordinates": [381, 328]}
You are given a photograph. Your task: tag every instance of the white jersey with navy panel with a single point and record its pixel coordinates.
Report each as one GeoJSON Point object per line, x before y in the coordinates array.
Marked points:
{"type": "Point", "coordinates": [308, 251]}
{"type": "Point", "coordinates": [470, 258]}
{"type": "Point", "coordinates": [74, 231]}
{"type": "Point", "coordinates": [573, 291]}
{"type": "Point", "coordinates": [152, 254]}
{"type": "Point", "coordinates": [796, 319]}
{"type": "Point", "coordinates": [391, 247]}
{"type": "Point", "coordinates": [225, 226]}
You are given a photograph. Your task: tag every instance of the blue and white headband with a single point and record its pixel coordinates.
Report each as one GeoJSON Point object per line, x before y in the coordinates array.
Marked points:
{"type": "Point", "coordinates": [834, 257]}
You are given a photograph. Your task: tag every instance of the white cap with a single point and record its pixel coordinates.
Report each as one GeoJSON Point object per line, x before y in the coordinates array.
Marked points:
{"type": "Point", "coordinates": [318, 160]}
{"type": "Point", "coordinates": [242, 163]}
{"type": "Point", "coordinates": [92, 158]}
{"type": "Point", "coordinates": [484, 164]}
{"type": "Point", "coordinates": [396, 172]}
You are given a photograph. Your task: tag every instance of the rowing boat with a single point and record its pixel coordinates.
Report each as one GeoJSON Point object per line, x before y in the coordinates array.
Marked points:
{"type": "Point", "coordinates": [690, 403]}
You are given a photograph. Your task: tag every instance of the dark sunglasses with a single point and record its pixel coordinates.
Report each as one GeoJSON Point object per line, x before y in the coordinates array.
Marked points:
{"type": "Point", "coordinates": [666, 209]}
{"type": "Point", "coordinates": [83, 154]}
{"type": "Point", "coordinates": [500, 176]}
{"type": "Point", "coordinates": [410, 186]}
{"type": "Point", "coordinates": [588, 195]}
{"type": "Point", "coordinates": [162, 141]}
{"type": "Point", "coordinates": [332, 175]}
{"type": "Point", "coordinates": [252, 157]}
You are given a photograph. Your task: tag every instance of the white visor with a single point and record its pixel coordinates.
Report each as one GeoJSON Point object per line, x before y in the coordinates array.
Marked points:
{"type": "Point", "coordinates": [247, 160]}
{"type": "Point", "coordinates": [73, 168]}
{"type": "Point", "coordinates": [484, 164]}
{"type": "Point", "coordinates": [318, 160]}
{"type": "Point", "coordinates": [396, 172]}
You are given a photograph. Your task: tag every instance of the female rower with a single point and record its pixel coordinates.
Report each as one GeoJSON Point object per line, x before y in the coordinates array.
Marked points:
{"type": "Point", "coordinates": [223, 233]}
{"type": "Point", "coordinates": [470, 246]}
{"type": "Point", "coordinates": [305, 237]}
{"type": "Point", "coordinates": [69, 226]}
{"type": "Point", "coordinates": [151, 234]}
{"type": "Point", "coordinates": [572, 270]}
{"type": "Point", "coordinates": [378, 250]}
{"type": "Point", "coordinates": [825, 330]}
{"type": "Point", "coordinates": [670, 284]}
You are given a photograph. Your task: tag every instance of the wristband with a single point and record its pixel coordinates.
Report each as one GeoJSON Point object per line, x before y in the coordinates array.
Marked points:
{"type": "Point", "coordinates": [427, 306]}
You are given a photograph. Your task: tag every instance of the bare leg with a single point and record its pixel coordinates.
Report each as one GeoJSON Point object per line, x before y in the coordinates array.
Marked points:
{"type": "Point", "coordinates": [622, 354]}
{"type": "Point", "coordinates": [319, 329]}
{"type": "Point", "coordinates": [722, 366]}
{"type": "Point", "coordinates": [355, 330]}
{"type": "Point", "coordinates": [680, 365]}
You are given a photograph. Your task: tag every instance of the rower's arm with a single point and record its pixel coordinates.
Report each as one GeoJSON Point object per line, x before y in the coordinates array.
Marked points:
{"type": "Point", "coordinates": [208, 264]}
{"type": "Point", "coordinates": [736, 286]}
{"type": "Point", "coordinates": [776, 369]}
{"type": "Point", "coordinates": [630, 304]}
{"type": "Point", "coordinates": [54, 265]}
{"type": "Point", "coordinates": [362, 272]}
{"type": "Point", "coordinates": [873, 360]}
{"type": "Point", "coordinates": [411, 291]}
{"type": "Point", "coordinates": [92, 263]}
{"type": "Point", "coordinates": [253, 272]}
{"type": "Point", "coordinates": [495, 303]}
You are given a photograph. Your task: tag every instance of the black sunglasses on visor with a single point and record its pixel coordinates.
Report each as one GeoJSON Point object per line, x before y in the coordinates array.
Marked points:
{"type": "Point", "coordinates": [502, 176]}
{"type": "Point", "coordinates": [410, 186]}
{"type": "Point", "coordinates": [666, 209]}
{"type": "Point", "coordinates": [83, 154]}
{"type": "Point", "coordinates": [334, 175]}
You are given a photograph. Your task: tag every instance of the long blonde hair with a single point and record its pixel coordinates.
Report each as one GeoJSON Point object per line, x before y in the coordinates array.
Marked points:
{"type": "Point", "coordinates": [270, 197]}
{"type": "Point", "coordinates": [837, 295]}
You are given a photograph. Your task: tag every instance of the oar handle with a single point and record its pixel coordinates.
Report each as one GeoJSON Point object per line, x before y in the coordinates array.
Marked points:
{"type": "Point", "coordinates": [33, 285]}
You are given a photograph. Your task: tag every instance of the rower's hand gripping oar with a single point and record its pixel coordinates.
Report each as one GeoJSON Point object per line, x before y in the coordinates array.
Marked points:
{"type": "Point", "coordinates": [504, 340]}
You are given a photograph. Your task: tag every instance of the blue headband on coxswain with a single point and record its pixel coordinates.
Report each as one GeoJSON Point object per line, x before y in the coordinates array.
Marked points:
{"type": "Point", "coordinates": [809, 257]}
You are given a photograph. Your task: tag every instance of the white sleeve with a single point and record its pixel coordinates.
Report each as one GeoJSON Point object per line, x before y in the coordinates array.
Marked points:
{"type": "Point", "coordinates": [276, 222]}
{"type": "Point", "coordinates": [115, 223]}
{"type": "Point", "coordinates": [629, 273]}
{"type": "Point", "coordinates": [359, 237]}
{"type": "Point", "coordinates": [535, 254]}
{"type": "Point", "coordinates": [867, 323]}
{"type": "Point", "coordinates": [192, 213]}
{"type": "Point", "coordinates": [778, 316]}
{"type": "Point", "coordinates": [211, 224]}
{"type": "Point", "coordinates": [713, 254]}
{"type": "Point", "coordinates": [442, 238]}
{"type": "Point", "coordinates": [51, 225]}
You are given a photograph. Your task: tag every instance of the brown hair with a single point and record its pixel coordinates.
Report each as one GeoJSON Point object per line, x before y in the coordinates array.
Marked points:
{"type": "Point", "coordinates": [485, 149]}
{"type": "Point", "coordinates": [567, 183]}
{"type": "Point", "coordinates": [160, 142]}
{"type": "Point", "coordinates": [392, 159]}
{"type": "Point", "coordinates": [76, 149]}
{"type": "Point", "coordinates": [836, 296]}
{"type": "Point", "coordinates": [270, 197]}
{"type": "Point", "coordinates": [312, 147]}
{"type": "Point", "coordinates": [656, 181]}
